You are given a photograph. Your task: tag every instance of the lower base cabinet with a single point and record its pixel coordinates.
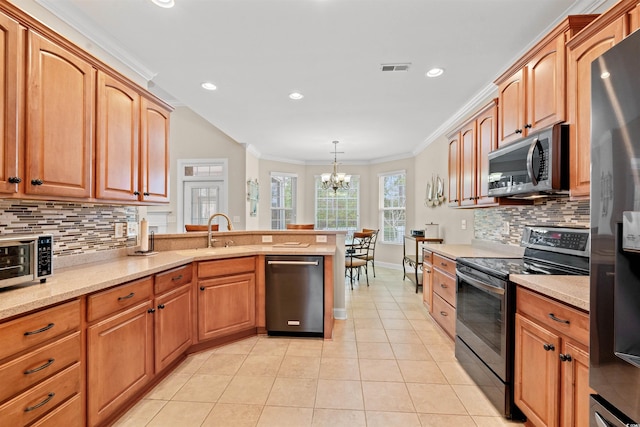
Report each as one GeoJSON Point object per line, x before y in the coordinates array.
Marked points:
{"type": "Point", "coordinates": [551, 362]}
{"type": "Point", "coordinates": [226, 297]}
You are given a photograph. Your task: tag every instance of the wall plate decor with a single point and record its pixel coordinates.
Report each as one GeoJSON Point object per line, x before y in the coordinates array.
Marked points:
{"type": "Point", "coordinates": [435, 191]}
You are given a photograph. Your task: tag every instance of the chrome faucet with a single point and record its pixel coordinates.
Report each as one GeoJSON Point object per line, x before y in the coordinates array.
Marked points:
{"type": "Point", "coordinates": [229, 227]}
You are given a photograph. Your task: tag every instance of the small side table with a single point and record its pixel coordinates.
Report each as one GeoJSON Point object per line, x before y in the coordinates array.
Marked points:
{"type": "Point", "coordinates": [412, 258]}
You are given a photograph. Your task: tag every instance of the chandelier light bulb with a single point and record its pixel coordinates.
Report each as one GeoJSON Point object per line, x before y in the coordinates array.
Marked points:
{"type": "Point", "coordinates": [335, 180]}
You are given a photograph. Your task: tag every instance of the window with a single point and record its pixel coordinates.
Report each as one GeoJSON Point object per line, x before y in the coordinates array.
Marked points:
{"type": "Point", "coordinates": [339, 210]}
{"type": "Point", "coordinates": [202, 190]}
{"type": "Point", "coordinates": [392, 197]}
{"type": "Point", "coordinates": [283, 200]}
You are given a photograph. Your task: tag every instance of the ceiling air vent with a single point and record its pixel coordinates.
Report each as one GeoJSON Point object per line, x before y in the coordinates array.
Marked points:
{"type": "Point", "coordinates": [395, 67]}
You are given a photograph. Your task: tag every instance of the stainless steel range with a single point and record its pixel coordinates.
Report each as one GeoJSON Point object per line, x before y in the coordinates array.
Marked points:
{"type": "Point", "coordinates": [485, 307]}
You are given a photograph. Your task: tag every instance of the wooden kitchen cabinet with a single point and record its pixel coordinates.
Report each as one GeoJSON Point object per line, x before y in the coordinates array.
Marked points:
{"type": "Point", "coordinates": [468, 172]}
{"type": "Point", "coordinates": [117, 140]}
{"type": "Point", "coordinates": [604, 34]}
{"type": "Point", "coordinates": [42, 366]}
{"type": "Point", "coordinates": [11, 70]}
{"type": "Point", "coordinates": [226, 297]}
{"type": "Point", "coordinates": [444, 293]}
{"type": "Point", "coordinates": [173, 320]}
{"type": "Point", "coordinates": [551, 361]}
{"type": "Point", "coordinates": [532, 93]}
{"type": "Point", "coordinates": [60, 118]}
{"type": "Point", "coordinates": [154, 152]}
{"type": "Point", "coordinates": [427, 279]}
{"type": "Point", "coordinates": [454, 170]}
{"type": "Point", "coordinates": [120, 348]}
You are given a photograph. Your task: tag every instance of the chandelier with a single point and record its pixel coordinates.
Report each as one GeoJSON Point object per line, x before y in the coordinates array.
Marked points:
{"type": "Point", "coordinates": [334, 179]}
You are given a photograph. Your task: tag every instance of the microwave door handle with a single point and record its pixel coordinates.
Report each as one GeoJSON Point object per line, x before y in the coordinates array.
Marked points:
{"type": "Point", "coordinates": [530, 172]}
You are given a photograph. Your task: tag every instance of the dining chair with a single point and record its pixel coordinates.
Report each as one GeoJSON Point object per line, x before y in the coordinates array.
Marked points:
{"type": "Point", "coordinates": [355, 258]}
{"type": "Point", "coordinates": [372, 250]}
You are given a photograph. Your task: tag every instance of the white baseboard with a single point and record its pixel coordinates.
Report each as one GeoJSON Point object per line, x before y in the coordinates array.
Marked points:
{"type": "Point", "coordinates": [340, 313]}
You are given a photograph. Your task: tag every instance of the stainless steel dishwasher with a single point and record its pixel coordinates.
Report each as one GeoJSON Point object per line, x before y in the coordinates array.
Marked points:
{"type": "Point", "coordinates": [294, 295]}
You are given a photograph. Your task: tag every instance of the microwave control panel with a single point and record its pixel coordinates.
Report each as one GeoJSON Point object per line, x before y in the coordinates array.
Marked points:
{"type": "Point", "coordinates": [45, 257]}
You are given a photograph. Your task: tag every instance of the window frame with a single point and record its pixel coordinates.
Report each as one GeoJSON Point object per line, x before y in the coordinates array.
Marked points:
{"type": "Point", "coordinates": [294, 202]}
{"type": "Point", "coordinates": [382, 209]}
{"type": "Point", "coordinates": [322, 224]}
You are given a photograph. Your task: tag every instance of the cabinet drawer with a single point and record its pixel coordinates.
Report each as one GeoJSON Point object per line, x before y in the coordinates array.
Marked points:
{"type": "Point", "coordinates": [25, 332]}
{"type": "Point", "coordinates": [225, 267]}
{"type": "Point", "coordinates": [444, 264]}
{"type": "Point", "coordinates": [41, 398]}
{"type": "Point", "coordinates": [172, 279]}
{"type": "Point", "coordinates": [115, 299]}
{"type": "Point", "coordinates": [33, 367]}
{"type": "Point", "coordinates": [445, 315]}
{"type": "Point", "coordinates": [445, 286]}
{"type": "Point", "coordinates": [553, 314]}
{"type": "Point", "coordinates": [427, 256]}
{"type": "Point", "coordinates": [68, 415]}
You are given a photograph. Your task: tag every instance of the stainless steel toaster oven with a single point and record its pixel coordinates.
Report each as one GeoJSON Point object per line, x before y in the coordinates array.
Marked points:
{"type": "Point", "coordinates": [25, 259]}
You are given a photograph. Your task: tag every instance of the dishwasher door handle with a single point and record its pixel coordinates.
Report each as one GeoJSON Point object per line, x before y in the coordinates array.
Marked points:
{"type": "Point", "coordinates": [292, 262]}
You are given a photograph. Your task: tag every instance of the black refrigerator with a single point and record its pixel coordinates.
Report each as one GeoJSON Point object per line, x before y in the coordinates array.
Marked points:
{"type": "Point", "coordinates": [615, 236]}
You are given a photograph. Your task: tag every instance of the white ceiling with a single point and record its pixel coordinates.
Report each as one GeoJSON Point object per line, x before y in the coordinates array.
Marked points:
{"type": "Point", "coordinates": [259, 51]}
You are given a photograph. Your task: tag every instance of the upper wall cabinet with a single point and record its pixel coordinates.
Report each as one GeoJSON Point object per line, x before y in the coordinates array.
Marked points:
{"type": "Point", "coordinates": [606, 31]}
{"type": "Point", "coordinates": [10, 69]}
{"type": "Point", "coordinates": [71, 127]}
{"type": "Point", "coordinates": [454, 170]}
{"type": "Point", "coordinates": [60, 114]}
{"type": "Point", "coordinates": [154, 165]}
{"type": "Point", "coordinates": [532, 93]}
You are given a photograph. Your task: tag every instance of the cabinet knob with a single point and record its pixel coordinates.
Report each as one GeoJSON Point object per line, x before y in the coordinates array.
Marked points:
{"type": "Point", "coordinates": [202, 288]}
{"type": "Point", "coordinates": [136, 193]}
{"type": "Point", "coordinates": [528, 126]}
{"type": "Point", "coordinates": [36, 182]}
{"type": "Point", "coordinates": [14, 180]}
{"type": "Point", "coordinates": [518, 131]}
{"type": "Point", "coordinates": [151, 310]}
{"type": "Point", "coordinates": [161, 306]}
{"type": "Point", "coordinates": [565, 357]}
{"type": "Point", "coordinates": [549, 347]}
{"type": "Point", "coordinates": [145, 194]}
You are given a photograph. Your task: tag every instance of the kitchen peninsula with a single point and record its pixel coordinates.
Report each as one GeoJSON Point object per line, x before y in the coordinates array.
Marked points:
{"type": "Point", "coordinates": [145, 312]}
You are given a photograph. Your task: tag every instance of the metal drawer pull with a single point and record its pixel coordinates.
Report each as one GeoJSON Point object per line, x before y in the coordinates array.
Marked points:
{"type": "Point", "coordinates": [444, 264]}
{"type": "Point", "coordinates": [443, 286]}
{"type": "Point", "coordinates": [443, 313]}
{"type": "Point", "coordinates": [44, 402]}
{"type": "Point", "coordinates": [37, 331]}
{"type": "Point", "coordinates": [39, 368]}
{"type": "Point", "coordinates": [177, 277]}
{"type": "Point", "coordinates": [557, 319]}
{"type": "Point", "coordinates": [126, 297]}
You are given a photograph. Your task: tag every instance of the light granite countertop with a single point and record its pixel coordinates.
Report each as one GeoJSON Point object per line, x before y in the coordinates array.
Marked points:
{"type": "Point", "coordinates": [71, 282]}
{"type": "Point", "coordinates": [572, 290]}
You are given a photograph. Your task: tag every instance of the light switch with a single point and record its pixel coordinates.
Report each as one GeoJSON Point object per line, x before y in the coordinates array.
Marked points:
{"type": "Point", "coordinates": [463, 224]}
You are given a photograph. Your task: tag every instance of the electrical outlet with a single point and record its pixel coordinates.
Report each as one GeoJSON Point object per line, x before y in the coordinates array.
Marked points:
{"type": "Point", "coordinates": [463, 224]}
{"type": "Point", "coordinates": [119, 230]}
{"type": "Point", "coordinates": [505, 227]}
{"type": "Point", "coordinates": [132, 228]}
{"type": "Point", "coordinates": [321, 239]}
{"type": "Point", "coordinates": [267, 239]}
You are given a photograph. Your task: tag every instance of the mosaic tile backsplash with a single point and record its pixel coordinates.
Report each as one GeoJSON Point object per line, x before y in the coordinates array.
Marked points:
{"type": "Point", "coordinates": [489, 222]}
{"type": "Point", "coordinates": [77, 228]}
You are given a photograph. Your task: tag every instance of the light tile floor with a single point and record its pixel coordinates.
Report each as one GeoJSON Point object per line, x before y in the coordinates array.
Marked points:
{"type": "Point", "coordinates": [387, 365]}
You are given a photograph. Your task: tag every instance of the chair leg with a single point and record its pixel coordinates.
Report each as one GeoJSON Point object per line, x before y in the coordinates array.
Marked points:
{"type": "Point", "coordinates": [373, 266]}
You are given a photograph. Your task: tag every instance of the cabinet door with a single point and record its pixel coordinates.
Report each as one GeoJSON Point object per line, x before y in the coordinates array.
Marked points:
{"type": "Point", "coordinates": [454, 171]}
{"type": "Point", "coordinates": [154, 166]}
{"type": "Point", "coordinates": [119, 359]}
{"type": "Point", "coordinates": [10, 93]}
{"type": "Point", "coordinates": [172, 325]}
{"type": "Point", "coordinates": [634, 19]}
{"type": "Point", "coordinates": [537, 372]}
{"type": "Point", "coordinates": [487, 141]}
{"type": "Point", "coordinates": [575, 386]}
{"type": "Point", "coordinates": [511, 95]}
{"type": "Point", "coordinates": [60, 99]}
{"type": "Point", "coordinates": [579, 89]}
{"type": "Point", "coordinates": [427, 289]}
{"type": "Point", "coordinates": [117, 140]}
{"type": "Point", "coordinates": [546, 100]}
{"type": "Point", "coordinates": [468, 165]}
{"type": "Point", "coordinates": [226, 305]}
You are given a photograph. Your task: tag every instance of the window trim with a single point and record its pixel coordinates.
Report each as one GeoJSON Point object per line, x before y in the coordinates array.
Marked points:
{"type": "Point", "coordinates": [295, 204]}
{"type": "Point", "coordinates": [382, 209]}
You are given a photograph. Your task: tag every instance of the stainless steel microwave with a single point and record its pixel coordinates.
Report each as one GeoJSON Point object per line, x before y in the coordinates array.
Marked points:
{"type": "Point", "coordinates": [534, 166]}
{"type": "Point", "coordinates": [25, 259]}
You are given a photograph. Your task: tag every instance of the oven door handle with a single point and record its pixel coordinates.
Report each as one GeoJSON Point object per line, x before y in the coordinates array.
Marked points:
{"type": "Point", "coordinates": [478, 284]}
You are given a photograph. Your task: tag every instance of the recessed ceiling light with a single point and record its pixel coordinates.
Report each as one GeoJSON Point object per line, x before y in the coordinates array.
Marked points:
{"type": "Point", "coordinates": [164, 3]}
{"type": "Point", "coordinates": [296, 95]}
{"type": "Point", "coordinates": [209, 86]}
{"type": "Point", "coordinates": [605, 75]}
{"type": "Point", "coordinates": [435, 72]}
